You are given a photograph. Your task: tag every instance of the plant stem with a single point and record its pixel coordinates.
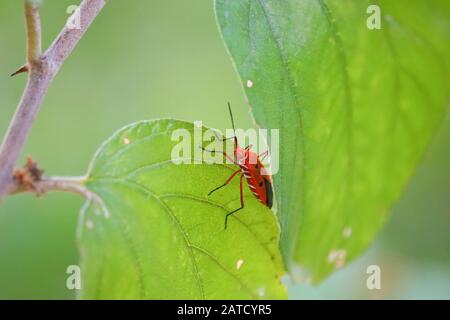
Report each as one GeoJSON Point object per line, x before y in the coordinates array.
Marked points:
{"type": "Point", "coordinates": [42, 70]}
{"type": "Point", "coordinates": [73, 185]}
{"type": "Point", "coordinates": [20, 126]}
{"type": "Point", "coordinates": [33, 26]}
{"type": "Point", "coordinates": [67, 184]}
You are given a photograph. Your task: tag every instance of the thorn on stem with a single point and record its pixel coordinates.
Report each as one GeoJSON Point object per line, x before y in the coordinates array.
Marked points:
{"type": "Point", "coordinates": [22, 69]}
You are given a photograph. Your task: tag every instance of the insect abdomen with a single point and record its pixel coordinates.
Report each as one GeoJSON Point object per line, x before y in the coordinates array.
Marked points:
{"type": "Point", "coordinates": [269, 193]}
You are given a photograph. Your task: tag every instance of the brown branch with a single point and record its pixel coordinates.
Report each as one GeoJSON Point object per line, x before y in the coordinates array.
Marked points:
{"type": "Point", "coordinates": [42, 70]}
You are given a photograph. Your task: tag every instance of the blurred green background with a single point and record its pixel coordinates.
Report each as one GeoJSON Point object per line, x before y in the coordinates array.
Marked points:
{"type": "Point", "coordinates": [145, 59]}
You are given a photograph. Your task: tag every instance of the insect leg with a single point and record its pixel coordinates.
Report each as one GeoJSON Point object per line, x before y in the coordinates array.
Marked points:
{"type": "Point", "coordinates": [224, 154]}
{"type": "Point", "coordinates": [226, 182]}
{"type": "Point", "coordinates": [225, 139]}
{"type": "Point", "coordinates": [222, 139]}
{"type": "Point", "coordinates": [263, 155]}
{"type": "Point", "coordinates": [242, 202]}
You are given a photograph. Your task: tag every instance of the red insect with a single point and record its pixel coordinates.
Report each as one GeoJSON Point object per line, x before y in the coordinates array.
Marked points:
{"type": "Point", "coordinates": [250, 167]}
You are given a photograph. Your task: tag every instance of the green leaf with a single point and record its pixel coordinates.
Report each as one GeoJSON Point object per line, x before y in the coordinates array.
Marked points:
{"type": "Point", "coordinates": [153, 233]}
{"type": "Point", "coordinates": [356, 109]}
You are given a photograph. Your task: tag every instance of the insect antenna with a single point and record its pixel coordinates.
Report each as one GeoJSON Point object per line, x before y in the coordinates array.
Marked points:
{"type": "Point", "coordinates": [232, 123]}
{"type": "Point", "coordinates": [231, 116]}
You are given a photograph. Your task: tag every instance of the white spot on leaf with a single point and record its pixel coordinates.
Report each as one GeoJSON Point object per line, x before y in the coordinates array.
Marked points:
{"type": "Point", "coordinates": [249, 83]}
{"type": "Point", "coordinates": [332, 256]}
{"type": "Point", "coordinates": [239, 264]}
{"type": "Point", "coordinates": [261, 291]}
{"type": "Point", "coordinates": [337, 257]}
{"type": "Point", "coordinates": [126, 140]}
{"type": "Point", "coordinates": [340, 261]}
{"type": "Point", "coordinates": [89, 224]}
{"type": "Point", "coordinates": [347, 232]}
